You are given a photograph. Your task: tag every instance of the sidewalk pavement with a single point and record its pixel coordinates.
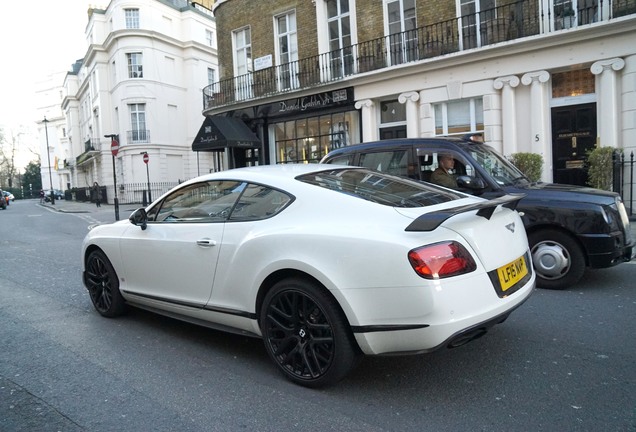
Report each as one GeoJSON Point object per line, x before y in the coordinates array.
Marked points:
{"type": "Point", "coordinates": [69, 206]}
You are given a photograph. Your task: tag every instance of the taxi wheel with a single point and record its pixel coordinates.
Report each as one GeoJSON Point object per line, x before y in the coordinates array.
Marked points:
{"type": "Point", "coordinates": [557, 259]}
{"type": "Point", "coordinates": [306, 334]}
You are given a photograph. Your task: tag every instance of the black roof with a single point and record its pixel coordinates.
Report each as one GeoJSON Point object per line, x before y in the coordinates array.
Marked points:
{"type": "Point", "coordinates": [392, 143]}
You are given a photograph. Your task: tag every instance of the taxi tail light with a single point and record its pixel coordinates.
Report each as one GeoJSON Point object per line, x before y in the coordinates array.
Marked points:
{"type": "Point", "coordinates": [441, 260]}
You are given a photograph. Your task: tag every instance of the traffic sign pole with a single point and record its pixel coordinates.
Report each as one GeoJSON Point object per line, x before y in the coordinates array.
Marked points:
{"type": "Point", "coordinates": [146, 159]}
{"type": "Point", "coordinates": [114, 149]}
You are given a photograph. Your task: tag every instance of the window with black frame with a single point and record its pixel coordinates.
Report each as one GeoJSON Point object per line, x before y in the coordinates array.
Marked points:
{"type": "Point", "coordinates": [219, 201]}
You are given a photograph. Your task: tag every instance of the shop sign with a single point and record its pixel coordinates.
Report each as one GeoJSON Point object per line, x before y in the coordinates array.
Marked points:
{"type": "Point", "coordinates": [315, 102]}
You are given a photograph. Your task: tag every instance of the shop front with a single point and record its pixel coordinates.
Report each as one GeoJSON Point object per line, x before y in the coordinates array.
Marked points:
{"type": "Point", "coordinates": [298, 130]}
{"type": "Point", "coordinates": [303, 130]}
{"type": "Point", "coordinates": [220, 133]}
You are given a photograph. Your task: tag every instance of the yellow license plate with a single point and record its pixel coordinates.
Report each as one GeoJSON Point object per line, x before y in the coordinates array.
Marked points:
{"type": "Point", "coordinates": [512, 273]}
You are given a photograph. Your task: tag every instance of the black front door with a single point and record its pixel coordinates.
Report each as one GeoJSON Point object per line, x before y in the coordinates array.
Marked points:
{"type": "Point", "coordinates": [573, 135]}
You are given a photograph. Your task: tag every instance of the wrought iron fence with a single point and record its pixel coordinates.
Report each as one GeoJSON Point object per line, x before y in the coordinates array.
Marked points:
{"type": "Point", "coordinates": [624, 178]}
{"type": "Point", "coordinates": [127, 193]}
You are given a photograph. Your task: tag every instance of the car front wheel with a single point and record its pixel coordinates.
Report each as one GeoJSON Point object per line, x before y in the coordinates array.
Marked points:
{"type": "Point", "coordinates": [557, 258]}
{"type": "Point", "coordinates": [306, 334]}
{"type": "Point", "coordinates": [103, 285]}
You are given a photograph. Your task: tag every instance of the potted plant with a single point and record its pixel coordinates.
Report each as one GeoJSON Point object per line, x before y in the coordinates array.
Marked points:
{"type": "Point", "coordinates": [530, 164]}
{"type": "Point", "coordinates": [600, 167]}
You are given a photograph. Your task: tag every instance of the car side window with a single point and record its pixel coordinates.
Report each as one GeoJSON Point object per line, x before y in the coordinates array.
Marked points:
{"type": "Point", "coordinates": [391, 162]}
{"type": "Point", "coordinates": [200, 202]}
{"type": "Point", "coordinates": [428, 161]}
{"type": "Point", "coordinates": [342, 160]}
{"type": "Point", "coordinates": [259, 202]}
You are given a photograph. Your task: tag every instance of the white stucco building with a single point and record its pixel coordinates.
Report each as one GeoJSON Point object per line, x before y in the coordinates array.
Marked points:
{"type": "Point", "coordinates": [52, 132]}
{"type": "Point", "coordinates": [140, 80]}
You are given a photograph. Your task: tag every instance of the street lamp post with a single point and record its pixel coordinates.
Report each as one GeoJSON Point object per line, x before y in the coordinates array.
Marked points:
{"type": "Point", "coordinates": [48, 158]}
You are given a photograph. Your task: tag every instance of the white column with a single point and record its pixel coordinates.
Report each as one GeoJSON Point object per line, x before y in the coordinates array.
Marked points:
{"type": "Point", "coordinates": [369, 121]}
{"type": "Point", "coordinates": [628, 97]}
{"type": "Point", "coordinates": [412, 117]}
{"type": "Point", "coordinates": [507, 85]}
{"type": "Point", "coordinates": [608, 100]}
{"type": "Point", "coordinates": [540, 137]}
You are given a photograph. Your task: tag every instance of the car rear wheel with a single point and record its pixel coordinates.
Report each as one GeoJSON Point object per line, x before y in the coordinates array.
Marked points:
{"type": "Point", "coordinates": [306, 334]}
{"type": "Point", "coordinates": [103, 285]}
{"type": "Point", "coordinates": [557, 258]}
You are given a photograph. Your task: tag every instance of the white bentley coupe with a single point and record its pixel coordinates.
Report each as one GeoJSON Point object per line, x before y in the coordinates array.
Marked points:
{"type": "Point", "coordinates": [324, 263]}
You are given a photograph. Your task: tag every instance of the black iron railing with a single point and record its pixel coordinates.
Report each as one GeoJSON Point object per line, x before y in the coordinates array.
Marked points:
{"type": "Point", "coordinates": [127, 193]}
{"type": "Point", "coordinates": [91, 144]}
{"type": "Point", "coordinates": [624, 178]}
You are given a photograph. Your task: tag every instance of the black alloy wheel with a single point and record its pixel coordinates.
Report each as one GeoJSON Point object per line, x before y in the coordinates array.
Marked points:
{"type": "Point", "coordinates": [306, 334]}
{"type": "Point", "coordinates": [103, 285]}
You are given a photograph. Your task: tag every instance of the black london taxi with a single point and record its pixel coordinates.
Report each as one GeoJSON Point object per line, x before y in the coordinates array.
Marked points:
{"type": "Point", "coordinates": [569, 227]}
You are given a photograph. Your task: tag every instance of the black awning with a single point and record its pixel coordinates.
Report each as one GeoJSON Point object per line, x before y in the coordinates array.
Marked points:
{"type": "Point", "coordinates": [218, 133]}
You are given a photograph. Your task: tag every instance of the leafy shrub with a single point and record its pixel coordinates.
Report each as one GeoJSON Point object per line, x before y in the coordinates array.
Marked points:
{"type": "Point", "coordinates": [531, 164]}
{"type": "Point", "coordinates": [600, 167]}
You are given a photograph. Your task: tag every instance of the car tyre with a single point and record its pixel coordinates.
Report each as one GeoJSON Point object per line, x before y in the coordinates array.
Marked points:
{"type": "Point", "coordinates": [306, 334]}
{"type": "Point", "coordinates": [103, 285]}
{"type": "Point", "coordinates": [557, 259]}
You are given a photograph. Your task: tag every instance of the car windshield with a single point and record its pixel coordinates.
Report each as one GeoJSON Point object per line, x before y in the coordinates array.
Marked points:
{"type": "Point", "coordinates": [380, 188]}
{"type": "Point", "coordinates": [504, 172]}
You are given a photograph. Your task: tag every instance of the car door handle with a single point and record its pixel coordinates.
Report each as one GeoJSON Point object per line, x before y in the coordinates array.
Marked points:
{"type": "Point", "coordinates": [206, 242]}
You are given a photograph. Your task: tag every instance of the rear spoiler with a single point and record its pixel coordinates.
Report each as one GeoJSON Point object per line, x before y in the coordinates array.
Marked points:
{"type": "Point", "coordinates": [430, 221]}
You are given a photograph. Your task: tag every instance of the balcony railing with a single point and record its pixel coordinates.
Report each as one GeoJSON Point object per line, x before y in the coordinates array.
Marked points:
{"type": "Point", "coordinates": [138, 136]}
{"type": "Point", "coordinates": [91, 144]}
{"type": "Point", "coordinates": [503, 23]}
{"type": "Point", "coordinates": [91, 148]}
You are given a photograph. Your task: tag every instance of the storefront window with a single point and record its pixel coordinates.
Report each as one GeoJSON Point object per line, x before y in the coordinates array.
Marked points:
{"type": "Point", "coordinates": [307, 140]}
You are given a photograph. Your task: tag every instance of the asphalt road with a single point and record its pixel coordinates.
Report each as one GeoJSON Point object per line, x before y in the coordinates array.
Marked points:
{"type": "Point", "coordinates": [564, 361]}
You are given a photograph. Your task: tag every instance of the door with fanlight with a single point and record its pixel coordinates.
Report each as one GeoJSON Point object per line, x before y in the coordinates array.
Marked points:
{"type": "Point", "coordinates": [573, 135]}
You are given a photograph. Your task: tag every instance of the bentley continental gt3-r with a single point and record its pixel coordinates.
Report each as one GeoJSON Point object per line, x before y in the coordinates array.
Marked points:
{"type": "Point", "coordinates": [324, 263]}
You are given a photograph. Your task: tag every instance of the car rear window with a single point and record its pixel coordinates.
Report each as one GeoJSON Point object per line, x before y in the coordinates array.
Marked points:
{"type": "Point", "coordinates": [380, 188]}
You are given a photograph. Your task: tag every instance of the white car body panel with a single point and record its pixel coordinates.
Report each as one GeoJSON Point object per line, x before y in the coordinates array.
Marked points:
{"type": "Point", "coordinates": [355, 248]}
{"type": "Point", "coordinates": [167, 244]}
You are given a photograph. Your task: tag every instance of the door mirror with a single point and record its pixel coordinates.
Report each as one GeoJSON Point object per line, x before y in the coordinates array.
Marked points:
{"type": "Point", "coordinates": [139, 218]}
{"type": "Point", "coordinates": [474, 184]}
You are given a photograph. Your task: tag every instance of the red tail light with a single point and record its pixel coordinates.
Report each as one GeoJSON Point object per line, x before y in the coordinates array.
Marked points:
{"type": "Point", "coordinates": [441, 260]}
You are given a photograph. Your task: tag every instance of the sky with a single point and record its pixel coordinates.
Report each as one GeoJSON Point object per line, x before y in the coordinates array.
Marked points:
{"type": "Point", "coordinates": [37, 37]}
